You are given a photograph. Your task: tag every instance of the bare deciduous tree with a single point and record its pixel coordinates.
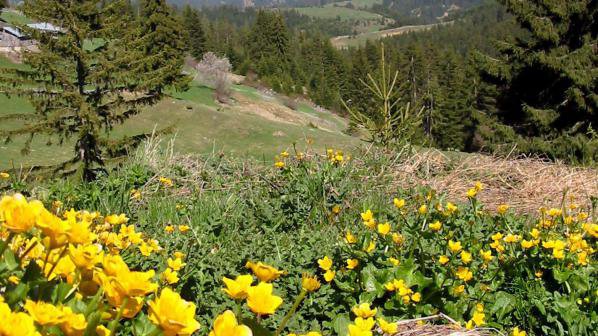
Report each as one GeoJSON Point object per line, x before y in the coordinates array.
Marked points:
{"type": "Point", "coordinates": [214, 71]}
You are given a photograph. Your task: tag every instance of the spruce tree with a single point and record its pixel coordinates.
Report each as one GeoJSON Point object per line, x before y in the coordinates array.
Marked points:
{"type": "Point", "coordinates": [82, 80]}
{"type": "Point", "coordinates": [157, 49]}
{"type": "Point", "coordinates": [548, 80]}
{"type": "Point", "coordinates": [196, 34]}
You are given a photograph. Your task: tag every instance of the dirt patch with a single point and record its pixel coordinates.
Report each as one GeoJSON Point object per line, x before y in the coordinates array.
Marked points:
{"type": "Point", "coordinates": [275, 111]}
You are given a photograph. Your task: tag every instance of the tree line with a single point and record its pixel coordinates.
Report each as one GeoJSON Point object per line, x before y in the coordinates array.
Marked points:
{"type": "Point", "coordinates": [495, 79]}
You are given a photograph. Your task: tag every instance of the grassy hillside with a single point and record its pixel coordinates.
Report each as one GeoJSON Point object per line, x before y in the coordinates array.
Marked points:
{"type": "Point", "coordinates": [360, 39]}
{"type": "Point", "coordinates": [254, 124]}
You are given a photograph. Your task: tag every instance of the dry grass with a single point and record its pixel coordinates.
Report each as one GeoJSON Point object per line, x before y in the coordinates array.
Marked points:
{"type": "Point", "coordinates": [524, 183]}
{"type": "Point", "coordinates": [439, 325]}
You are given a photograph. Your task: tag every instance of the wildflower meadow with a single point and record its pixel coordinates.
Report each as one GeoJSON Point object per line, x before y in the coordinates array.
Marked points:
{"type": "Point", "coordinates": [311, 245]}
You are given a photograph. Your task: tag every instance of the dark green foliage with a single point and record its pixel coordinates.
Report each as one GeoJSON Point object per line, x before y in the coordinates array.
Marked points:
{"type": "Point", "coordinates": [547, 88]}
{"type": "Point", "coordinates": [196, 39]}
{"type": "Point", "coordinates": [94, 73]}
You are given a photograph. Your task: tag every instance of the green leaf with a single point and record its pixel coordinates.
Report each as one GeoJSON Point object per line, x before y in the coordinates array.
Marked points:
{"type": "Point", "coordinates": [142, 326]}
{"type": "Point", "coordinates": [60, 292]}
{"type": "Point", "coordinates": [503, 304]}
{"type": "Point", "coordinates": [10, 260]}
{"type": "Point", "coordinates": [340, 324]}
{"type": "Point", "coordinates": [19, 293]}
{"type": "Point", "coordinates": [93, 320]}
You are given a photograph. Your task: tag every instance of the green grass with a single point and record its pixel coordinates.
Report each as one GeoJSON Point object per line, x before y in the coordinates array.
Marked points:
{"type": "Point", "coordinates": [14, 18]}
{"type": "Point", "coordinates": [357, 3]}
{"type": "Point", "coordinates": [338, 12]}
{"type": "Point", "coordinates": [200, 124]}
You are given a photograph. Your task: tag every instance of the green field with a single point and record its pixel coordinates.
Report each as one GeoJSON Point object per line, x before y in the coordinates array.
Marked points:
{"type": "Point", "coordinates": [14, 18]}
{"type": "Point", "coordinates": [201, 126]}
{"type": "Point", "coordinates": [330, 12]}
{"type": "Point", "coordinates": [357, 3]}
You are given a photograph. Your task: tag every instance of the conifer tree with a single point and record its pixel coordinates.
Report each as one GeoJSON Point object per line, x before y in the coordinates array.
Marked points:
{"type": "Point", "coordinates": [197, 40]}
{"type": "Point", "coordinates": [82, 81]}
{"type": "Point", "coordinates": [157, 49]}
{"type": "Point", "coordinates": [548, 80]}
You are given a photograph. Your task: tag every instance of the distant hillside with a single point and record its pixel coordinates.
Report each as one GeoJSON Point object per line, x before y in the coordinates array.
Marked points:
{"type": "Point", "coordinates": [424, 11]}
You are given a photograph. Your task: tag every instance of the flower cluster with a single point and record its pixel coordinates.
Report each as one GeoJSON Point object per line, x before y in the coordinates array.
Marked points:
{"type": "Point", "coordinates": [72, 265]}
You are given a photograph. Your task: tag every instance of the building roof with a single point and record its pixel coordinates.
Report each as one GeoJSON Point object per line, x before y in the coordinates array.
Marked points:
{"type": "Point", "coordinates": [46, 27]}
{"type": "Point", "coordinates": [14, 31]}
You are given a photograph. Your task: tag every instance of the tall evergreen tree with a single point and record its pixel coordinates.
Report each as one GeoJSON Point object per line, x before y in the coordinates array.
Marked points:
{"type": "Point", "coordinates": [157, 48]}
{"type": "Point", "coordinates": [548, 81]}
{"type": "Point", "coordinates": [269, 43]}
{"type": "Point", "coordinates": [196, 34]}
{"type": "Point", "coordinates": [82, 82]}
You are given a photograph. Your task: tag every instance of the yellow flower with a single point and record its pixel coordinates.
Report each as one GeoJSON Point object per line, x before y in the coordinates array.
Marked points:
{"type": "Point", "coordinates": [350, 238]}
{"type": "Point", "coordinates": [352, 263]}
{"type": "Point", "coordinates": [582, 258]}
{"type": "Point", "coordinates": [237, 289]}
{"type": "Point", "coordinates": [526, 244]}
{"type": "Point", "coordinates": [384, 229]}
{"type": "Point", "coordinates": [416, 297]}
{"type": "Point", "coordinates": [497, 236]}
{"type": "Point", "coordinates": [284, 154]}
{"type": "Point", "coordinates": [443, 259]}
{"type": "Point", "coordinates": [371, 247]}
{"type": "Point", "coordinates": [517, 332]}
{"type": "Point", "coordinates": [397, 238]}
{"type": "Point", "coordinates": [79, 232]}
{"type": "Point", "coordinates": [17, 214]}
{"type": "Point", "coordinates": [471, 193]}
{"type": "Point", "coordinates": [325, 263]}
{"type": "Point", "coordinates": [279, 164]}
{"type": "Point", "coordinates": [368, 219]}
{"type": "Point", "coordinates": [135, 194]}
{"type": "Point", "coordinates": [184, 228]}
{"type": "Point", "coordinates": [466, 257]}
{"type": "Point", "coordinates": [4, 176]}
{"type": "Point", "coordinates": [555, 212]}
{"type": "Point", "coordinates": [486, 255]}
{"type": "Point", "coordinates": [310, 283]}
{"type": "Point", "coordinates": [454, 246]}
{"type": "Point", "coordinates": [535, 233]}
{"type": "Point", "coordinates": [44, 314]}
{"type": "Point", "coordinates": [511, 238]}
{"type": "Point", "coordinates": [364, 311]}
{"type": "Point", "coordinates": [16, 324]}
{"type": "Point", "coordinates": [502, 209]}
{"type": "Point", "coordinates": [464, 273]}
{"type": "Point", "coordinates": [172, 314]}
{"type": "Point", "coordinates": [399, 203]}
{"type": "Point", "coordinates": [116, 219]}
{"type": "Point", "coordinates": [169, 276]}
{"type": "Point", "coordinates": [459, 289]}
{"type": "Point", "coordinates": [179, 255]}
{"type": "Point", "coordinates": [539, 274]}
{"type": "Point", "coordinates": [260, 299]}
{"type": "Point", "coordinates": [130, 284]}
{"type": "Point", "coordinates": [423, 209]}
{"type": "Point", "coordinates": [451, 208]}
{"type": "Point", "coordinates": [263, 271]}
{"type": "Point", "coordinates": [73, 324]}
{"type": "Point", "coordinates": [387, 327]}
{"type": "Point", "coordinates": [85, 256]}
{"type": "Point", "coordinates": [436, 226]}
{"type": "Point", "coordinates": [336, 209]}
{"type": "Point", "coordinates": [166, 181]}
{"type": "Point", "coordinates": [361, 327]}
{"type": "Point", "coordinates": [102, 331]}
{"type": "Point", "coordinates": [226, 325]}
{"type": "Point", "coordinates": [394, 261]}
{"type": "Point", "coordinates": [478, 186]}
{"type": "Point", "coordinates": [478, 318]}
{"type": "Point", "coordinates": [176, 264]}
{"type": "Point", "coordinates": [329, 275]}
{"type": "Point", "coordinates": [169, 228]}
{"type": "Point", "coordinates": [54, 229]}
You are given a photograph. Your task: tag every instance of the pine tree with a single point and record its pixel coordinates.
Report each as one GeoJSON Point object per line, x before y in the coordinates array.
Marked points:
{"type": "Point", "coordinates": [197, 40]}
{"type": "Point", "coordinates": [157, 48]}
{"type": "Point", "coordinates": [269, 43]}
{"type": "Point", "coordinates": [82, 82]}
{"type": "Point", "coordinates": [548, 80]}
